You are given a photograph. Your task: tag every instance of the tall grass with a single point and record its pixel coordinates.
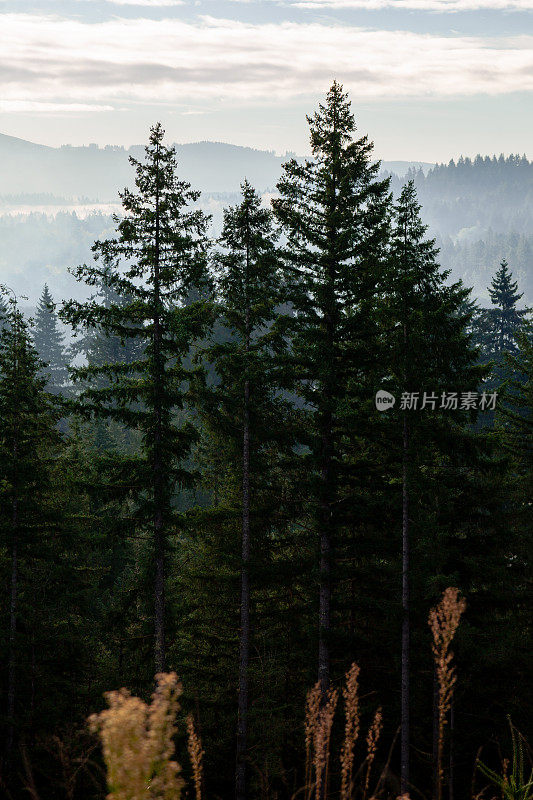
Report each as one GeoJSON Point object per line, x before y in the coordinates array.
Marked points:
{"type": "Point", "coordinates": [351, 730]}
{"type": "Point", "coordinates": [137, 743]}
{"type": "Point", "coordinates": [138, 749]}
{"type": "Point", "coordinates": [443, 622]}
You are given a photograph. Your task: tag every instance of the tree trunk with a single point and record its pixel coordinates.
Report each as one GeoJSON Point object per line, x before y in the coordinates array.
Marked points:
{"type": "Point", "coordinates": [404, 747]}
{"type": "Point", "coordinates": [436, 778]}
{"type": "Point", "coordinates": [244, 633]}
{"type": "Point", "coordinates": [12, 659]}
{"type": "Point", "coordinates": [325, 496]}
{"type": "Point", "coordinates": [158, 476]}
{"type": "Point", "coordinates": [244, 643]}
{"type": "Point", "coordinates": [452, 754]}
{"type": "Point", "coordinates": [11, 670]}
{"type": "Point", "coordinates": [324, 610]}
{"type": "Point", "coordinates": [324, 513]}
{"type": "Point", "coordinates": [406, 631]}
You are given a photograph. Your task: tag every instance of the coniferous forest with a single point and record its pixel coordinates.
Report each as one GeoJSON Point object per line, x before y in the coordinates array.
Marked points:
{"type": "Point", "coordinates": [235, 495]}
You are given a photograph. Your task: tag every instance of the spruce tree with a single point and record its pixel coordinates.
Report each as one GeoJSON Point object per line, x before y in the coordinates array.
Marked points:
{"type": "Point", "coordinates": [3, 313]}
{"type": "Point", "coordinates": [496, 328]}
{"type": "Point", "coordinates": [515, 419]}
{"type": "Point", "coordinates": [430, 354]}
{"type": "Point", "coordinates": [49, 342]}
{"type": "Point", "coordinates": [157, 257]}
{"type": "Point", "coordinates": [335, 214]}
{"type": "Point", "coordinates": [506, 318]}
{"type": "Point", "coordinates": [496, 331]}
{"type": "Point", "coordinates": [248, 272]}
{"type": "Point", "coordinates": [99, 346]}
{"type": "Point", "coordinates": [27, 440]}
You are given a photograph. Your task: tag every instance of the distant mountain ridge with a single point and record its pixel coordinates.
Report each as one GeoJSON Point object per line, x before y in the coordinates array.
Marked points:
{"type": "Point", "coordinates": [480, 210]}
{"type": "Point", "coordinates": [99, 173]}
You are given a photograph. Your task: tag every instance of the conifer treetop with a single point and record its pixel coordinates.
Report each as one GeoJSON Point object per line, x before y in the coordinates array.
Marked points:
{"type": "Point", "coordinates": [503, 290]}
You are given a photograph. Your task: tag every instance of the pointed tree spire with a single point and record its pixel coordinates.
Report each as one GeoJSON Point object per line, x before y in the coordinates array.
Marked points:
{"type": "Point", "coordinates": [28, 429]}
{"type": "Point", "coordinates": [334, 211]}
{"type": "Point", "coordinates": [248, 270]}
{"type": "Point", "coordinates": [159, 254]}
{"type": "Point", "coordinates": [49, 343]}
{"type": "Point", "coordinates": [506, 318]}
{"type": "Point", "coordinates": [429, 348]}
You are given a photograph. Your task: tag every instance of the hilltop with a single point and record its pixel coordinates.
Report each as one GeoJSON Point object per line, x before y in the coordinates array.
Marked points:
{"type": "Point", "coordinates": [100, 172]}
{"type": "Point", "coordinates": [55, 201]}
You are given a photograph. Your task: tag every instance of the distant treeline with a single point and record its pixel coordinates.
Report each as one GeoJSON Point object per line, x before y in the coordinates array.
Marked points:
{"type": "Point", "coordinates": [480, 194]}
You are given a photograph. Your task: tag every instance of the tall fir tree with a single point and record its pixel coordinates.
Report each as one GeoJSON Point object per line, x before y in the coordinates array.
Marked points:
{"type": "Point", "coordinates": [516, 417]}
{"type": "Point", "coordinates": [248, 271]}
{"type": "Point", "coordinates": [99, 346]}
{"type": "Point", "coordinates": [430, 353]}
{"type": "Point", "coordinates": [3, 313]}
{"type": "Point", "coordinates": [28, 438]}
{"type": "Point", "coordinates": [49, 342]}
{"type": "Point", "coordinates": [334, 212]}
{"type": "Point", "coordinates": [515, 426]}
{"type": "Point", "coordinates": [158, 256]}
{"type": "Point", "coordinates": [506, 318]}
{"type": "Point", "coordinates": [496, 330]}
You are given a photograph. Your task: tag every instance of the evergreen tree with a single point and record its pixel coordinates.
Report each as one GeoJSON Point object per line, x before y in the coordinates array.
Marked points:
{"type": "Point", "coordinates": [430, 353]}
{"type": "Point", "coordinates": [49, 342]}
{"type": "Point", "coordinates": [3, 313]}
{"type": "Point", "coordinates": [500, 325]}
{"type": "Point", "coordinates": [27, 441]}
{"type": "Point", "coordinates": [157, 257]}
{"type": "Point", "coordinates": [517, 419]}
{"type": "Point", "coordinates": [506, 318]}
{"type": "Point", "coordinates": [99, 346]}
{"type": "Point", "coordinates": [496, 330]}
{"type": "Point", "coordinates": [249, 290]}
{"type": "Point", "coordinates": [335, 215]}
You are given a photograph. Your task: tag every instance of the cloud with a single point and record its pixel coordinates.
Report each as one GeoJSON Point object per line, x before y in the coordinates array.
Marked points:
{"type": "Point", "coordinates": [211, 62]}
{"type": "Point", "coordinates": [37, 107]}
{"type": "Point", "coordinates": [442, 6]}
{"type": "Point", "coordinates": [148, 3]}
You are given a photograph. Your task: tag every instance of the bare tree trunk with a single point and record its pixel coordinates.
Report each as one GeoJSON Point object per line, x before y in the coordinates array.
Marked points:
{"type": "Point", "coordinates": [324, 609]}
{"type": "Point", "coordinates": [158, 477]}
{"type": "Point", "coordinates": [404, 745]}
{"type": "Point", "coordinates": [12, 655]}
{"type": "Point", "coordinates": [325, 499]}
{"type": "Point", "coordinates": [11, 670]}
{"type": "Point", "coordinates": [452, 754]}
{"type": "Point", "coordinates": [324, 510]}
{"type": "Point", "coordinates": [244, 643]}
{"type": "Point", "coordinates": [435, 734]}
{"type": "Point", "coordinates": [329, 388]}
{"type": "Point", "coordinates": [244, 634]}
{"type": "Point", "coordinates": [159, 592]}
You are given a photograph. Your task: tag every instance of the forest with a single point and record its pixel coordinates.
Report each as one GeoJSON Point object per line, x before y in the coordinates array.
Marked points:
{"type": "Point", "coordinates": [54, 203]}
{"type": "Point", "coordinates": [227, 570]}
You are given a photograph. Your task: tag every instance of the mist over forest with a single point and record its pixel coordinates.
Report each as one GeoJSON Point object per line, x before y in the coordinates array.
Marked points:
{"type": "Point", "coordinates": [265, 460]}
{"type": "Point", "coordinates": [54, 203]}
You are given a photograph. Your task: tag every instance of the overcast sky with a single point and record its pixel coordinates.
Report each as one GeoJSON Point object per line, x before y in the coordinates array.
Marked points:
{"type": "Point", "coordinates": [429, 79]}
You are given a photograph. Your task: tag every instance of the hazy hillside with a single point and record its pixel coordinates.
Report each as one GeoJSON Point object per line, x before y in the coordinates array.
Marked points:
{"type": "Point", "coordinates": [98, 173]}
{"type": "Point", "coordinates": [481, 212]}
{"type": "Point", "coordinates": [55, 201]}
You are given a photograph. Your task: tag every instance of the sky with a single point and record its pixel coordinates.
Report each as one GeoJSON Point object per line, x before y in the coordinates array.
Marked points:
{"type": "Point", "coordinates": [428, 79]}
